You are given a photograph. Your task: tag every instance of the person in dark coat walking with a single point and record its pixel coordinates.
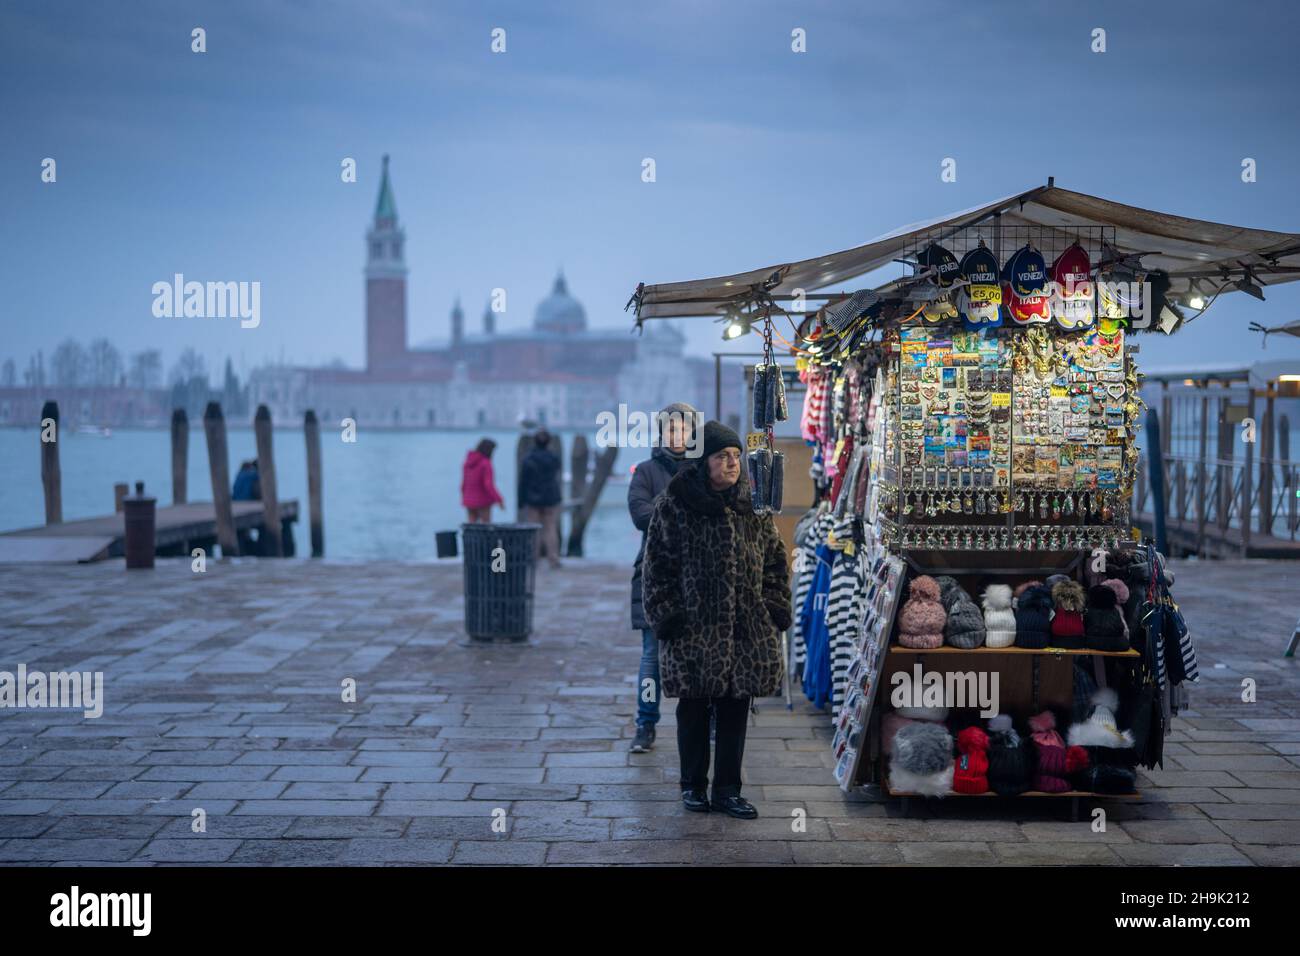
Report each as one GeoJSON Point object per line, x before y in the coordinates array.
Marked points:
{"type": "Point", "coordinates": [677, 430]}
{"type": "Point", "coordinates": [539, 494]}
{"type": "Point", "coordinates": [716, 592]}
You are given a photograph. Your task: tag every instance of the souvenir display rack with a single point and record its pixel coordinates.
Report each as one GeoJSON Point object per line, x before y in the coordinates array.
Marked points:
{"type": "Point", "coordinates": [1008, 440]}
{"type": "Point", "coordinates": [997, 454]}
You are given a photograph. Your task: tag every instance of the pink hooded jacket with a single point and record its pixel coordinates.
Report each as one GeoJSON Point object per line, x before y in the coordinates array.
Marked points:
{"type": "Point", "coordinates": [477, 489]}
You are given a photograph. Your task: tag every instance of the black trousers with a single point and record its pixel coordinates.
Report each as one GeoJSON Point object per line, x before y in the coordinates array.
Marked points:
{"type": "Point", "coordinates": [732, 718]}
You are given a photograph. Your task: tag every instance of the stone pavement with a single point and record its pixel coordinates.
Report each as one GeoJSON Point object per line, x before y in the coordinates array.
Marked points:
{"type": "Point", "coordinates": [223, 692]}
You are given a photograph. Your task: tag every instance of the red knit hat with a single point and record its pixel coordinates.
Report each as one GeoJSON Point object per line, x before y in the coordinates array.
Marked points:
{"type": "Point", "coordinates": [971, 771]}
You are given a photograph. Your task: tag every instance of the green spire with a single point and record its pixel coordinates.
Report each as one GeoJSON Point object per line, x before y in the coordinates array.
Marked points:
{"type": "Point", "coordinates": [386, 208]}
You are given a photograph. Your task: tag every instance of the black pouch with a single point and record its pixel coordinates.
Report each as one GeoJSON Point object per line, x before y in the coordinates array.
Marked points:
{"type": "Point", "coordinates": [778, 479]}
{"type": "Point", "coordinates": [760, 477]}
{"type": "Point", "coordinates": [762, 413]}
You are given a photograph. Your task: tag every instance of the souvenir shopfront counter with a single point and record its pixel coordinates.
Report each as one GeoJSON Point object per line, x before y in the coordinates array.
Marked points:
{"type": "Point", "coordinates": [974, 554]}
{"type": "Point", "coordinates": [972, 428]}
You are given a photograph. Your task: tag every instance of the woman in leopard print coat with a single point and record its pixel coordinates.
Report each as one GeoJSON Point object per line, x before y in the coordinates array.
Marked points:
{"type": "Point", "coordinates": [716, 592]}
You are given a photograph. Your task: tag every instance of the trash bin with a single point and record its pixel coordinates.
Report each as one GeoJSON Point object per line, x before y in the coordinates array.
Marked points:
{"type": "Point", "coordinates": [138, 516]}
{"type": "Point", "coordinates": [499, 583]}
{"type": "Point", "coordinates": [446, 541]}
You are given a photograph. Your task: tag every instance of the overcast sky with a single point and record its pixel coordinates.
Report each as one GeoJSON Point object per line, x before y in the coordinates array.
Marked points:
{"type": "Point", "coordinates": [226, 165]}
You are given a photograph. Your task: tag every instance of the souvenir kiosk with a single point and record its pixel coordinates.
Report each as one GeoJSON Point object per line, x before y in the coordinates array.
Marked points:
{"type": "Point", "coordinates": [973, 611]}
{"type": "Point", "coordinates": [1000, 450]}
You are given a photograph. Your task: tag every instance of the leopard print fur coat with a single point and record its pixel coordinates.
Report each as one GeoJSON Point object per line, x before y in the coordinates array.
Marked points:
{"type": "Point", "coordinates": [716, 590]}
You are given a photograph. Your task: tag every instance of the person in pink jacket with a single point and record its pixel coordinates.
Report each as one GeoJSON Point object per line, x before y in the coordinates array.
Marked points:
{"type": "Point", "coordinates": [478, 491]}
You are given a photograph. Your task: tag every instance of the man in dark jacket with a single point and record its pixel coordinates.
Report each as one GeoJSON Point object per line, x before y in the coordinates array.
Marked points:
{"type": "Point", "coordinates": [539, 494]}
{"type": "Point", "coordinates": [676, 430]}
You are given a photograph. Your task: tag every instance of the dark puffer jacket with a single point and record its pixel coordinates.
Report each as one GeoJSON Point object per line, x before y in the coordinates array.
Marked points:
{"type": "Point", "coordinates": [649, 479]}
{"type": "Point", "coordinates": [716, 589]}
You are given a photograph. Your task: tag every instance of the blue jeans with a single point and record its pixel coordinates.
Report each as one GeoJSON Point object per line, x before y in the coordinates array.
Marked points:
{"type": "Point", "coordinates": [647, 711]}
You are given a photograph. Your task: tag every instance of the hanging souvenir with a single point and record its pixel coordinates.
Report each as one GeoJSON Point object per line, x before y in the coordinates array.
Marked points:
{"type": "Point", "coordinates": [1072, 293]}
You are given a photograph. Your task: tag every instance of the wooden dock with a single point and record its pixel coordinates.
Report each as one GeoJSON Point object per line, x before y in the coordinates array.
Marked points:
{"type": "Point", "coordinates": [1185, 538]}
{"type": "Point", "coordinates": [178, 528]}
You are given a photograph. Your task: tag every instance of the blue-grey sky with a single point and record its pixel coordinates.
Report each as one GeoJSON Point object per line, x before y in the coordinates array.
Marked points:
{"type": "Point", "coordinates": [225, 165]}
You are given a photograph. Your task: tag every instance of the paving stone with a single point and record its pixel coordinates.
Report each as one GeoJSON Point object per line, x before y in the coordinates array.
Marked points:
{"type": "Point", "coordinates": [408, 850]}
{"type": "Point", "coordinates": [105, 849]}
{"type": "Point", "coordinates": [225, 827]}
{"type": "Point", "coordinates": [1275, 832]}
{"type": "Point", "coordinates": [306, 790]}
{"type": "Point", "coordinates": [329, 828]}
{"type": "Point", "coordinates": [1204, 854]}
{"type": "Point", "coordinates": [288, 852]}
{"type": "Point", "coordinates": [722, 852]}
{"type": "Point", "coordinates": [1175, 831]}
{"type": "Point", "coordinates": [500, 853]}
{"type": "Point", "coordinates": [620, 852]}
{"type": "Point", "coordinates": [29, 826]}
{"type": "Point", "coordinates": [1273, 855]}
{"type": "Point", "coordinates": [845, 854]}
{"type": "Point", "coordinates": [197, 849]}
{"type": "Point", "coordinates": [238, 790]}
{"type": "Point", "coordinates": [295, 758]}
{"type": "Point", "coordinates": [94, 827]}
{"type": "Point", "coordinates": [559, 829]}
{"type": "Point", "coordinates": [524, 791]}
{"type": "Point", "coordinates": [316, 774]}
{"type": "Point", "coordinates": [476, 828]}
{"type": "Point", "coordinates": [1253, 811]}
{"type": "Point", "coordinates": [307, 808]}
{"type": "Point", "coordinates": [1056, 854]}
{"type": "Point", "coordinates": [947, 854]}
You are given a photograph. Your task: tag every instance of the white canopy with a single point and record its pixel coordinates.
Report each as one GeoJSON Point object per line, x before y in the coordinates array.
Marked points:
{"type": "Point", "coordinates": [1185, 248]}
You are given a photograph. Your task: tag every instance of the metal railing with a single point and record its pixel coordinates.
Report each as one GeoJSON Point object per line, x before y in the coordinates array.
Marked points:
{"type": "Point", "coordinates": [1215, 493]}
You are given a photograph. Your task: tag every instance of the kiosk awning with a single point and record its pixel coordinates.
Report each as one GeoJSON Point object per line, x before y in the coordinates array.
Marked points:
{"type": "Point", "coordinates": [1188, 249]}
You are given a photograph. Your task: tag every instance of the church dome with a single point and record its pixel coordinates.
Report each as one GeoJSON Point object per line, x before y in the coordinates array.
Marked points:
{"type": "Point", "coordinates": [559, 311]}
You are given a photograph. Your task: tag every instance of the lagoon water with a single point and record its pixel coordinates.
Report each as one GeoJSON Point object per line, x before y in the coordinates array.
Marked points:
{"type": "Point", "coordinates": [384, 495]}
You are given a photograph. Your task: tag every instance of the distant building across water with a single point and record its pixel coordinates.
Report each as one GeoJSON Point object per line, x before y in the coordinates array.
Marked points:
{"type": "Point", "coordinates": [559, 373]}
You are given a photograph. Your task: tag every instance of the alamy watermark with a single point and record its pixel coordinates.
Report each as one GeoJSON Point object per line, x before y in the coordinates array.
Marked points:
{"type": "Point", "coordinates": [54, 689]}
{"type": "Point", "coordinates": [209, 300]}
{"type": "Point", "coordinates": [958, 690]}
{"type": "Point", "coordinates": [638, 429]}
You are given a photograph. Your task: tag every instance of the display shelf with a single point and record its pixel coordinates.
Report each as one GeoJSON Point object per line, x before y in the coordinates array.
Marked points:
{"type": "Point", "coordinates": [1077, 794]}
{"type": "Point", "coordinates": [1028, 651]}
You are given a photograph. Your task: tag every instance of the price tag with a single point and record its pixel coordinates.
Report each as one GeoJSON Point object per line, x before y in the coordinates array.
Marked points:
{"type": "Point", "coordinates": [1001, 399]}
{"type": "Point", "coordinates": [755, 440]}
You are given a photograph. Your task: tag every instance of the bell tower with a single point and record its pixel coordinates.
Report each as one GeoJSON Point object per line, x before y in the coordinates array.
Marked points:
{"type": "Point", "coordinates": [385, 284]}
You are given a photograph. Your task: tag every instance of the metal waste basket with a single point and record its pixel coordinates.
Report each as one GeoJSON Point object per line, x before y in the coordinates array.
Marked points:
{"type": "Point", "coordinates": [138, 520]}
{"type": "Point", "coordinates": [500, 568]}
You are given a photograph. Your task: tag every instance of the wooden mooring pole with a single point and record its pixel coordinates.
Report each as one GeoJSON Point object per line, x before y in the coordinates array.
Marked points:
{"type": "Point", "coordinates": [604, 465]}
{"type": "Point", "coordinates": [214, 428]}
{"type": "Point", "coordinates": [311, 430]}
{"type": "Point", "coordinates": [180, 456]}
{"type": "Point", "coordinates": [272, 536]}
{"type": "Point", "coordinates": [51, 476]}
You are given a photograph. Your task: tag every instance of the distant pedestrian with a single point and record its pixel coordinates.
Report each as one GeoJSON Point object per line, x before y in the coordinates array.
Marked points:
{"type": "Point", "coordinates": [539, 494]}
{"type": "Point", "coordinates": [248, 484]}
{"type": "Point", "coordinates": [677, 430]}
{"type": "Point", "coordinates": [716, 591]}
{"type": "Point", "coordinates": [247, 487]}
{"type": "Point", "coordinates": [478, 490]}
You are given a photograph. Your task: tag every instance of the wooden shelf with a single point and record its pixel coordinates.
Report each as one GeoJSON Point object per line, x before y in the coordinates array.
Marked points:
{"type": "Point", "coordinates": [1029, 651]}
{"type": "Point", "coordinates": [1027, 793]}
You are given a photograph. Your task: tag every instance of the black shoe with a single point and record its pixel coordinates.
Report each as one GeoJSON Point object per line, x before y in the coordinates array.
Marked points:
{"type": "Point", "coordinates": [644, 740]}
{"type": "Point", "coordinates": [695, 800]}
{"type": "Point", "coordinates": [737, 807]}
